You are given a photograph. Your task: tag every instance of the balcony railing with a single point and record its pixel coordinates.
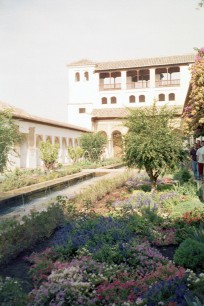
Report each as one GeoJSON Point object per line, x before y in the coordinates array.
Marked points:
{"type": "Point", "coordinates": [166, 83]}
{"type": "Point", "coordinates": [140, 84]}
{"type": "Point", "coordinates": [110, 86]}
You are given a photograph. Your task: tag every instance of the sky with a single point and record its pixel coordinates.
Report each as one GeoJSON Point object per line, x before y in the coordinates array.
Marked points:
{"type": "Point", "coordinates": [39, 38]}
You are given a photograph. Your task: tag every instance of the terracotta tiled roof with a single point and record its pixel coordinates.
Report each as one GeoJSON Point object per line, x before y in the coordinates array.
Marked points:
{"type": "Point", "coordinates": [18, 113]}
{"type": "Point", "coordinates": [82, 62]}
{"type": "Point", "coordinates": [146, 62]}
{"type": "Point", "coordinates": [99, 113]}
{"type": "Point", "coordinates": [138, 63]}
{"type": "Point", "coordinates": [110, 112]}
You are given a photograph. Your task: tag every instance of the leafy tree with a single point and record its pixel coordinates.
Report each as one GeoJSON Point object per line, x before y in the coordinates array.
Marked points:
{"type": "Point", "coordinates": [194, 110]}
{"type": "Point", "coordinates": [152, 142]}
{"type": "Point", "coordinates": [201, 3]}
{"type": "Point", "coordinates": [75, 153]}
{"type": "Point", "coordinates": [9, 136]}
{"type": "Point", "coordinates": [93, 145]}
{"type": "Point", "coordinates": [49, 154]}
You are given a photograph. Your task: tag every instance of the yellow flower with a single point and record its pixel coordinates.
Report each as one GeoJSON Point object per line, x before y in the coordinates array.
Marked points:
{"type": "Point", "coordinates": [201, 120]}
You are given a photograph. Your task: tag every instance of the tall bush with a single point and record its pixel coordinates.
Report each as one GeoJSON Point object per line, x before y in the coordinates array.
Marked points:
{"type": "Point", "coordinates": [49, 154]}
{"type": "Point", "coordinates": [75, 153]}
{"type": "Point", "coordinates": [9, 136]}
{"type": "Point", "coordinates": [153, 141]}
{"type": "Point", "coordinates": [93, 145]}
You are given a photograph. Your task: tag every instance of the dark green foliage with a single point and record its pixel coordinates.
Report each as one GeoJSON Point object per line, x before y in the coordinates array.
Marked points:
{"type": "Point", "coordinates": [190, 254]}
{"type": "Point", "coordinates": [152, 142]}
{"type": "Point", "coordinates": [195, 301]}
{"type": "Point", "coordinates": [11, 293]}
{"type": "Point", "coordinates": [9, 136]}
{"type": "Point", "coordinates": [182, 175]}
{"type": "Point", "coordinates": [145, 188]}
{"type": "Point", "coordinates": [198, 233]}
{"type": "Point", "coordinates": [16, 237]}
{"type": "Point", "coordinates": [164, 187]}
{"type": "Point", "coordinates": [183, 232]}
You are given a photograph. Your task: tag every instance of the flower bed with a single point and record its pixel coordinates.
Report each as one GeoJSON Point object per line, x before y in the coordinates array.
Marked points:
{"type": "Point", "coordinates": [116, 258]}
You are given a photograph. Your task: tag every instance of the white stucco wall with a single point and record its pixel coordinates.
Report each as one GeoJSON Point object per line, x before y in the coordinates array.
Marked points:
{"type": "Point", "coordinates": [86, 94]}
{"type": "Point", "coordinates": [81, 94]}
{"type": "Point", "coordinates": [28, 153]}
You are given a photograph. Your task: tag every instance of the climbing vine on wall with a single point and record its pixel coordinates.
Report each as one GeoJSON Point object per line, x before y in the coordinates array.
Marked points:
{"type": "Point", "coordinates": [194, 110]}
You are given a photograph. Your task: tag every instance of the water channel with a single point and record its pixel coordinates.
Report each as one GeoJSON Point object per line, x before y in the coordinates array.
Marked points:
{"type": "Point", "coordinates": [23, 205]}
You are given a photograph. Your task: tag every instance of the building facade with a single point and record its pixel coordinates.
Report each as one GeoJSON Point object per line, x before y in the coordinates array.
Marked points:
{"type": "Point", "coordinates": [36, 129]}
{"type": "Point", "coordinates": [101, 93]}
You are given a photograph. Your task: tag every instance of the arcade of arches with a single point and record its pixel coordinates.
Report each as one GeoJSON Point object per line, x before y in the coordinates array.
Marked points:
{"type": "Point", "coordinates": [63, 143]}
{"type": "Point", "coordinates": [114, 147]}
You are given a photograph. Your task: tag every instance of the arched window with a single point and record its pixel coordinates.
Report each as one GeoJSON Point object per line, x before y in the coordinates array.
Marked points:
{"type": "Point", "coordinates": [117, 144]}
{"type": "Point", "coordinates": [142, 98]}
{"type": "Point", "coordinates": [113, 100]}
{"type": "Point", "coordinates": [77, 77]}
{"type": "Point", "coordinates": [39, 139]}
{"type": "Point", "coordinates": [49, 138]}
{"type": "Point", "coordinates": [70, 143]}
{"type": "Point", "coordinates": [104, 100]}
{"type": "Point", "coordinates": [86, 76]}
{"type": "Point", "coordinates": [132, 99]}
{"type": "Point", "coordinates": [82, 110]}
{"type": "Point", "coordinates": [171, 97]}
{"type": "Point", "coordinates": [161, 97]}
{"type": "Point", "coordinates": [56, 140]}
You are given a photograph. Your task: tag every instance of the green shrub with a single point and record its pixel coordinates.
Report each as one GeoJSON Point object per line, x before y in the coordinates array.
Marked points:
{"type": "Point", "coordinates": [11, 293]}
{"type": "Point", "coordinates": [93, 145]}
{"type": "Point", "coordinates": [198, 233]}
{"type": "Point", "coordinates": [17, 236]}
{"type": "Point", "coordinates": [187, 188]}
{"type": "Point", "coordinates": [183, 232]}
{"type": "Point", "coordinates": [195, 301]}
{"type": "Point", "coordinates": [163, 187]}
{"type": "Point", "coordinates": [48, 154]}
{"type": "Point", "coordinates": [75, 153]}
{"type": "Point", "coordinates": [98, 190]}
{"type": "Point", "coordinates": [182, 175]}
{"type": "Point", "coordinates": [196, 284]}
{"type": "Point", "coordinates": [145, 188]}
{"type": "Point", "coordinates": [190, 254]}
{"type": "Point", "coordinates": [22, 178]}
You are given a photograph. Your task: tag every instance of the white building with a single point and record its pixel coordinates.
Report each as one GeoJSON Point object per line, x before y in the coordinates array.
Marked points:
{"type": "Point", "coordinates": [100, 93]}
{"type": "Point", "coordinates": [35, 130]}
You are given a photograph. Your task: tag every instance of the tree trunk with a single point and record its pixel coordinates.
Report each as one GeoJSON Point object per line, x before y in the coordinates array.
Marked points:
{"type": "Point", "coordinates": [153, 178]}
{"type": "Point", "coordinates": [154, 185]}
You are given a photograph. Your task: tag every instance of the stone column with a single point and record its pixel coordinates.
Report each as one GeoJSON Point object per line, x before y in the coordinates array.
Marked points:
{"type": "Point", "coordinates": [152, 77]}
{"type": "Point", "coordinates": [60, 151]}
{"type": "Point", "coordinates": [110, 148]}
{"type": "Point", "coordinates": [32, 161]}
{"type": "Point", "coordinates": [123, 80]}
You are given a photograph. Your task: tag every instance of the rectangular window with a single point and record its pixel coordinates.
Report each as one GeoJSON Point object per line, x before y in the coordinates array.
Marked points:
{"type": "Point", "coordinates": [82, 110]}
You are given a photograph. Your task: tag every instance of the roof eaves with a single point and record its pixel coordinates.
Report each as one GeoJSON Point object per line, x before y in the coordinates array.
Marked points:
{"type": "Point", "coordinates": [50, 123]}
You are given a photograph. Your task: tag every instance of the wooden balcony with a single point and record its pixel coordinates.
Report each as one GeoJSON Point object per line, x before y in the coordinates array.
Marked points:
{"type": "Point", "coordinates": [167, 83]}
{"type": "Point", "coordinates": [137, 85]}
{"type": "Point", "coordinates": [115, 86]}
